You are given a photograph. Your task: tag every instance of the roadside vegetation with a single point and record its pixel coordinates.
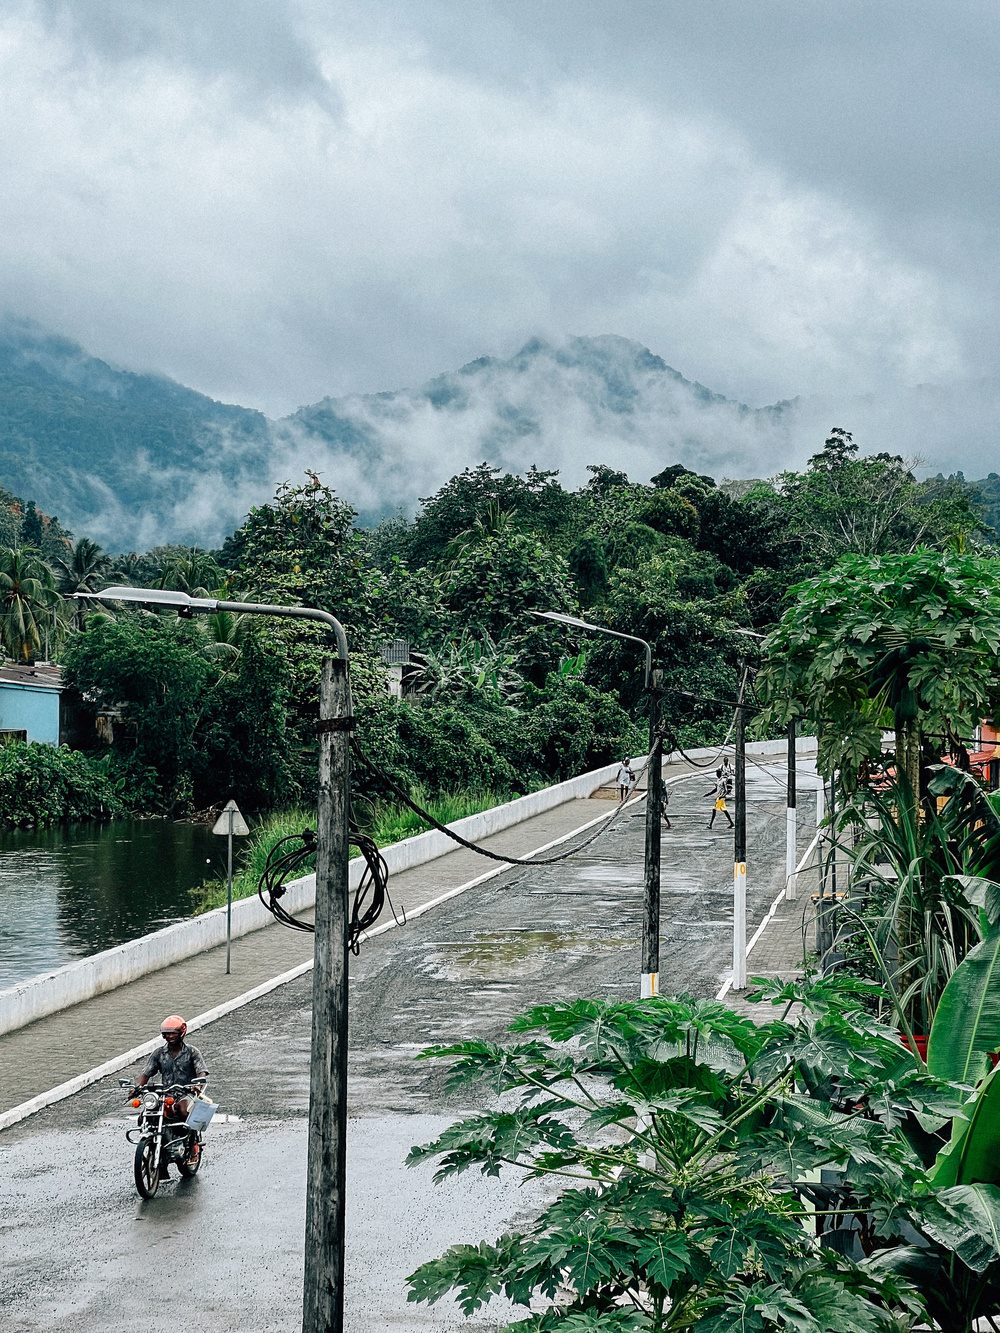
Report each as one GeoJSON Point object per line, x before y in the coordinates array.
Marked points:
{"type": "Point", "coordinates": [385, 822]}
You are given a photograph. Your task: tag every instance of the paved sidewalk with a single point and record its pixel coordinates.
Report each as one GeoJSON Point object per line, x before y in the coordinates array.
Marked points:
{"type": "Point", "coordinates": [57, 1048]}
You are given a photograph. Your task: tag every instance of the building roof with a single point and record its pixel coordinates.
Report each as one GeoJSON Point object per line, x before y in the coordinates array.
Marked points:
{"type": "Point", "coordinates": [40, 676]}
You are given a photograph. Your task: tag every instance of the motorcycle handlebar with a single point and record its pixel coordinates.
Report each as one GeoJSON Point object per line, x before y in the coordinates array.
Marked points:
{"type": "Point", "coordinates": [195, 1086]}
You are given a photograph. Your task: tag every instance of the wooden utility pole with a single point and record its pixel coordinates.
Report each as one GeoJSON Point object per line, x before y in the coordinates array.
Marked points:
{"type": "Point", "coordinates": [326, 1180]}
{"type": "Point", "coordinates": [740, 853]}
{"type": "Point", "coordinates": [649, 981]}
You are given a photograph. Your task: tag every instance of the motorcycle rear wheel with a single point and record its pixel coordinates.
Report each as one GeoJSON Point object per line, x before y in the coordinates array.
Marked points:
{"type": "Point", "coordinates": [147, 1176]}
{"type": "Point", "coordinates": [190, 1169]}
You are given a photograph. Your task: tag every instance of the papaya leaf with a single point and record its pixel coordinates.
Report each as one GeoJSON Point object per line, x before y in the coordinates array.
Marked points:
{"type": "Point", "coordinates": [475, 1272]}
{"type": "Point", "coordinates": [664, 1257]}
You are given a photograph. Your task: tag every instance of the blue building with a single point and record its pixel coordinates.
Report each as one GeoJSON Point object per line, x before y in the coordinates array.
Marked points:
{"type": "Point", "coordinates": [29, 703]}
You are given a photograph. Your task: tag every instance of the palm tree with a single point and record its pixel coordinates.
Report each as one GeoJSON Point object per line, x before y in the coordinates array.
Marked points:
{"type": "Point", "coordinates": [226, 633]}
{"type": "Point", "coordinates": [29, 603]}
{"type": "Point", "coordinates": [490, 522]}
{"type": "Point", "coordinates": [126, 568]}
{"type": "Point", "coordinates": [85, 569]}
{"type": "Point", "coordinates": [193, 573]}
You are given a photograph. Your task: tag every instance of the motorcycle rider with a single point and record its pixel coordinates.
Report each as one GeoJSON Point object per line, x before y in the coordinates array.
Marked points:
{"type": "Point", "coordinates": [177, 1063]}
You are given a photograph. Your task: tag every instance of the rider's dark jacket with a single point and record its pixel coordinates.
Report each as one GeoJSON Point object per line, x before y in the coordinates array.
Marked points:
{"type": "Point", "coordinates": [182, 1066]}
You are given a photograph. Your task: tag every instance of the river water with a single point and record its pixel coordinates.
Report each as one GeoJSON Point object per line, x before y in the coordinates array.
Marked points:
{"type": "Point", "coordinates": [72, 891]}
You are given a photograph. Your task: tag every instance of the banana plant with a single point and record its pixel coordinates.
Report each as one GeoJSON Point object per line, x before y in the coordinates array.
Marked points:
{"type": "Point", "coordinates": [966, 1031]}
{"type": "Point", "coordinates": [966, 1026]}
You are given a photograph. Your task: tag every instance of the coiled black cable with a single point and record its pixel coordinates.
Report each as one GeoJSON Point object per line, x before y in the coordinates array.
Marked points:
{"type": "Point", "coordinates": [370, 897]}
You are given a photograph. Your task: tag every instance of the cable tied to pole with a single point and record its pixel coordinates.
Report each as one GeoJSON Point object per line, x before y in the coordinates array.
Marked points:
{"type": "Point", "coordinates": [370, 897]}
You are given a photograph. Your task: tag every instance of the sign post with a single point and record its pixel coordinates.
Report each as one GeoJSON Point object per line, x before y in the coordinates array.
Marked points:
{"type": "Point", "coordinates": [230, 824]}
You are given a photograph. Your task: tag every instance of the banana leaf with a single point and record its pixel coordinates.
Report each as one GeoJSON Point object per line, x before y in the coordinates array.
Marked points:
{"type": "Point", "coordinates": [967, 1022]}
{"type": "Point", "coordinates": [966, 1221]}
{"type": "Point", "coordinates": [973, 1155]}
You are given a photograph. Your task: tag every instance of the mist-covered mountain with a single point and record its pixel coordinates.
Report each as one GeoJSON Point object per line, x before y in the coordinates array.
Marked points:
{"type": "Point", "coordinates": [114, 454]}
{"type": "Point", "coordinates": [134, 460]}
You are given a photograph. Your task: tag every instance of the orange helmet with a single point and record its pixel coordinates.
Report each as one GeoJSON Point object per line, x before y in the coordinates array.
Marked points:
{"type": "Point", "coordinates": [174, 1023]}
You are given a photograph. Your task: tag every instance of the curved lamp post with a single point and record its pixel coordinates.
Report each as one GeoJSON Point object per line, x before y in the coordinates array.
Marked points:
{"type": "Point", "coordinates": [740, 832]}
{"type": "Point", "coordinates": [323, 1284]}
{"type": "Point", "coordinates": [650, 974]}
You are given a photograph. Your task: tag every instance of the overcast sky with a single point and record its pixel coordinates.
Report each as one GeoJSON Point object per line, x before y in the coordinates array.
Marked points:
{"type": "Point", "coordinates": [275, 200]}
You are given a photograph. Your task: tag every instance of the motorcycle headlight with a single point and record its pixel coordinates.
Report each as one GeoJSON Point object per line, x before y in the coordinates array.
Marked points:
{"type": "Point", "coordinates": [150, 1102]}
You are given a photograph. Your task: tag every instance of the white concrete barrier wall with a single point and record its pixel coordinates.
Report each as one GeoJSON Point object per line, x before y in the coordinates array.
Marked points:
{"type": "Point", "coordinates": [51, 991]}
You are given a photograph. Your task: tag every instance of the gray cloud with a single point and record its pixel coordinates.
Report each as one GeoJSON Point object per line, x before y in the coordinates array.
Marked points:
{"type": "Point", "coordinates": [280, 200]}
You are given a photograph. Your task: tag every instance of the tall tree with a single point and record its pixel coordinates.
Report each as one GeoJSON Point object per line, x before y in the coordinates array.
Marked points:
{"type": "Point", "coordinates": [83, 569]}
{"type": "Point", "coordinates": [843, 504]}
{"type": "Point", "coordinates": [914, 638]}
{"type": "Point", "coordinates": [29, 603]}
{"type": "Point", "coordinates": [195, 572]}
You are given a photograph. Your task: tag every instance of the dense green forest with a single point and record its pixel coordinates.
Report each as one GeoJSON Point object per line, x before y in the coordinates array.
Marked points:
{"type": "Point", "coordinates": [183, 713]}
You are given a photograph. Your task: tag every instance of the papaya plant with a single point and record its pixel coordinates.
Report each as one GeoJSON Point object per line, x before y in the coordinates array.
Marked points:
{"type": "Point", "coordinates": [689, 1143]}
{"type": "Point", "coordinates": [915, 636]}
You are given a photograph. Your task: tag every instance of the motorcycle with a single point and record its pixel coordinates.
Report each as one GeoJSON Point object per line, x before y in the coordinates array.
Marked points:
{"type": "Point", "coordinates": [161, 1139]}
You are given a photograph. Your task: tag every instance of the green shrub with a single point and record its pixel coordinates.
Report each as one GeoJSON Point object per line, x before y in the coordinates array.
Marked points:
{"type": "Point", "coordinates": [41, 785]}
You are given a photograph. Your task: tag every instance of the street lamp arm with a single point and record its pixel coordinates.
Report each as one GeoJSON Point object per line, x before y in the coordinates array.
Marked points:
{"type": "Point", "coordinates": [187, 605]}
{"type": "Point", "coordinates": [577, 623]}
{"type": "Point", "coordinates": [632, 638]}
{"type": "Point", "coordinates": [294, 613]}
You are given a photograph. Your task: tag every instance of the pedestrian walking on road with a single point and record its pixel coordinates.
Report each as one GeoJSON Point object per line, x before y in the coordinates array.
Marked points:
{"type": "Point", "coordinates": [626, 779]}
{"type": "Point", "coordinates": [726, 771]}
{"type": "Point", "coordinates": [719, 791]}
{"type": "Point", "coordinates": [666, 802]}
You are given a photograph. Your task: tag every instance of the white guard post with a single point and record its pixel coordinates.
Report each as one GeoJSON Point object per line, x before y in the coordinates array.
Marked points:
{"type": "Point", "coordinates": [790, 834]}
{"type": "Point", "coordinates": [740, 925]}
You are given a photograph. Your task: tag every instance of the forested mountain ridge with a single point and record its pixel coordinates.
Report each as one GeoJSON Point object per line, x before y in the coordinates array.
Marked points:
{"type": "Point", "coordinates": [137, 459]}
{"type": "Point", "coordinates": [105, 448]}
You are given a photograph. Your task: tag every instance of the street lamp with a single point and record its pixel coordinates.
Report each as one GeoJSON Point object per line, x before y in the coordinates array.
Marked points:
{"type": "Point", "coordinates": [740, 831]}
{"type": "Point", "coordinates": [323, 1284]}
{"type": "Point", "coordinates": [650, 974]}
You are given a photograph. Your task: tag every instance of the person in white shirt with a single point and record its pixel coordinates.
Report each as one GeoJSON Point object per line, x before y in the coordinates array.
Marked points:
{"type": "Point", "coordinates": [625, 779]}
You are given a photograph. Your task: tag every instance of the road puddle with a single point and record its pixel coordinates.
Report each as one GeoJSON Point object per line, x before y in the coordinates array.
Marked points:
{"type": "Point", "coordinates": [499, 953]}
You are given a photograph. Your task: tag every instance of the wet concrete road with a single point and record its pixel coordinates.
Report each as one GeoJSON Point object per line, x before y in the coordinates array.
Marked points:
{"type": "Point", "coordinates": [81, 1253]}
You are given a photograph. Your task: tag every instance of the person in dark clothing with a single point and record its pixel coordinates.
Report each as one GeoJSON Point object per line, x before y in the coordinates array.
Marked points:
{"type": "Point", "coordinates": [177, 1064]}
{"type": "Point", "coordinates": [719, 790]}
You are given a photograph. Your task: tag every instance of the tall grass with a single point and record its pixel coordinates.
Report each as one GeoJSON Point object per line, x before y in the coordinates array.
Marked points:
{"type": "Point", "coordinates": [386, 823]}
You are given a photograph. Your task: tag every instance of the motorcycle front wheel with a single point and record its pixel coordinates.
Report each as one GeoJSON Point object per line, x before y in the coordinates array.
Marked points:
{"type": "Point", "coordinates": [147, 1176]}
